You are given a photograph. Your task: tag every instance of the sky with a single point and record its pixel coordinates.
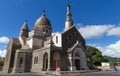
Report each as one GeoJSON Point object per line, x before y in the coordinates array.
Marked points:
{"type": "Point", "coordinates": [97, 20]}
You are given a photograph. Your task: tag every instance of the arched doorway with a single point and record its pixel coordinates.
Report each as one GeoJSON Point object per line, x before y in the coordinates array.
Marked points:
{"type": "Point", "coordinates": [45, 62]}
{"type": "Point", "coordinates": [56, 61]}
{"type": "Point", "coordinates": [79, 59]}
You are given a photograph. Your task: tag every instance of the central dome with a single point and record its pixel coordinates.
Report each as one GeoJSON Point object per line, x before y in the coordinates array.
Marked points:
{"type": "Point", "coordinates": [42, 21]}
{"type": "Point", "coordinates": [43, 24]}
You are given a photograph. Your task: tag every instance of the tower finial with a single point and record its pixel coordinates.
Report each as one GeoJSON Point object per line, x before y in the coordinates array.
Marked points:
{"type": "Point", "coordinates": [43, 12]}
{"type": "Point", "coordinates": [68, 7]}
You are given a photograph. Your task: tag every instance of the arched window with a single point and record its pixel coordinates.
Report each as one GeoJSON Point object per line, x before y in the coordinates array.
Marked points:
{"type": "Point", "coordinates": [37, 59]}
{"type": "Point", "coordinates": [56, 39]}
{"type": "Point", "coordinates": [21, 61]}
{"type": "Point", "coordinates": [34, 59]}
{"type": "Point", "coordinates": [46, 30]}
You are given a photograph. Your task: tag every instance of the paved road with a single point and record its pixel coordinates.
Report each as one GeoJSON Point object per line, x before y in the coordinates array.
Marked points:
{"type": "Point", "coordinates": [29, 74]}
{"type": "Point", "coordinates": [107, 73]}
{"type": "Point", "coordinates": [96, 74]}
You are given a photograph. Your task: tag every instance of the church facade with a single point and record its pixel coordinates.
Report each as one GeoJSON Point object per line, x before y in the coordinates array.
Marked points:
{"type": "Point", "coordinates": [38, 50]}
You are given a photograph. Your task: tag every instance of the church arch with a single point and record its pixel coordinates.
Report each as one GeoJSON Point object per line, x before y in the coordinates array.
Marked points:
{"type": "Point", "coordinates": [45, 62]}
{"type": "Point", "coordinates": [79, 59]}
{"type": "Point", "coordinates": [56, 61]}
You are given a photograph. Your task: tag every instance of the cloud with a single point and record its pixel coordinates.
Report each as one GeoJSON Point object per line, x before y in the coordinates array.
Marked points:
{"type": "Point", "coordinates": [97, 31]}
{"type": "Point", "coordinates": [3, 45]}
{"type": "Point", "coordinates": [4, 40]}
{"type": "Point", "coordinates": [94, 31]}
{"type": "Point", "coordinates": [114, 32]}
{"type": "Point", "coordinates": [2, 53]}
{"type": "Point", "coordinates": [112, 50]}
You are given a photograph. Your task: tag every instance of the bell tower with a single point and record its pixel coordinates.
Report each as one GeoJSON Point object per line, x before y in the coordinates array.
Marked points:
{"type": "Point", "coordinates": [69, 21]}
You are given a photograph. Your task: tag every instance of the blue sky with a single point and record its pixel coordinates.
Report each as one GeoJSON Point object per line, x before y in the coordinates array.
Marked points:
{"type": "Point", "coordinates": [97, 20]}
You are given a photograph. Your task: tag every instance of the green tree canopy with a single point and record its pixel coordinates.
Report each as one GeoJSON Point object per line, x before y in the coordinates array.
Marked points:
{"type": "Point", "coordinates": [1, 62]}
{"type": "Point", "coordinates": [95, 55]}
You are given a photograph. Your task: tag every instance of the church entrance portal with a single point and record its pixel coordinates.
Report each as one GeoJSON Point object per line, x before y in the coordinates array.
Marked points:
{"type": "Point", "coordinates": [77, 64]}
{"type": "Point", "coordinates": [45, 62]}
{"type": "Point", "coordinates": [56, 61]}
{"type": "Point", "coordinates": [79, 58]}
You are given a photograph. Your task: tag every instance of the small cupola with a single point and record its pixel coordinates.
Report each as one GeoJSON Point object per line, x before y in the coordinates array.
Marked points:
{"type": "Point", "coordinates": [24, 29]}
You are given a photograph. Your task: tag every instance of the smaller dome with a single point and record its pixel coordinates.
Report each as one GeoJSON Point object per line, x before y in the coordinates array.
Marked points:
{"type": "Point", "coordinates": [25, 26]}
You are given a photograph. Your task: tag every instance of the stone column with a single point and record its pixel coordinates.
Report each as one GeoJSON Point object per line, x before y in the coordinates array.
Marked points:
{"type": "Point", "coordinates": [71, 66]}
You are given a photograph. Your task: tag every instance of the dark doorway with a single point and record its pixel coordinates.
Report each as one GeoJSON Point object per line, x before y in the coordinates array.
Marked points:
{"type": "Point", "coordinates": [56, 61]}
{"type": "Point", "coordinates": [45, 62]}
{"type": "Point", "coordinates": [56, 64]}
{"type": "Point", "coordinates": [77, 64]}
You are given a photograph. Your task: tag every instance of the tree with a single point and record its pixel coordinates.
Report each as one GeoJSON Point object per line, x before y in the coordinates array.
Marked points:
{"type": "Point", "coordinates": [1, 62]}
{"type": "Point", "coordinates": [94, 57]}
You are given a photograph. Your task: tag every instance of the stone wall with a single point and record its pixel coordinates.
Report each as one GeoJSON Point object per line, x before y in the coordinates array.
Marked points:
{"type": "Point", "coordinates": [10, 55]}
{"type": "Point", "coordinates": [23, 60]}
{"type": "Point", "coordinates": [38, 59]}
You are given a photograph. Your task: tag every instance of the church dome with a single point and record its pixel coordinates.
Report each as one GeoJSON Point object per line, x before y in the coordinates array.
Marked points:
{"type": "Point", "coordinates": [43, 24]}
{"type": "Point", "coordinates": [43, 21]}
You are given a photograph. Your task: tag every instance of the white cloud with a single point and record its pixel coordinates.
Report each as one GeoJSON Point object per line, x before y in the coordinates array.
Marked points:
{"type": "Point", "coordinates": [112, 50]}
{"type": "Point", "coordinates": [114, 32]}
{"type": "Point", "coordinates": [94, 31]}
{"type": "Point", "coordinates": [97, 31]}
{"type": "Point", "coordinates": [4, 40]}
{"type": "Point", "coordinates": [2, 53]}
{"type": "Point", "coordinates": [3, 43]}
